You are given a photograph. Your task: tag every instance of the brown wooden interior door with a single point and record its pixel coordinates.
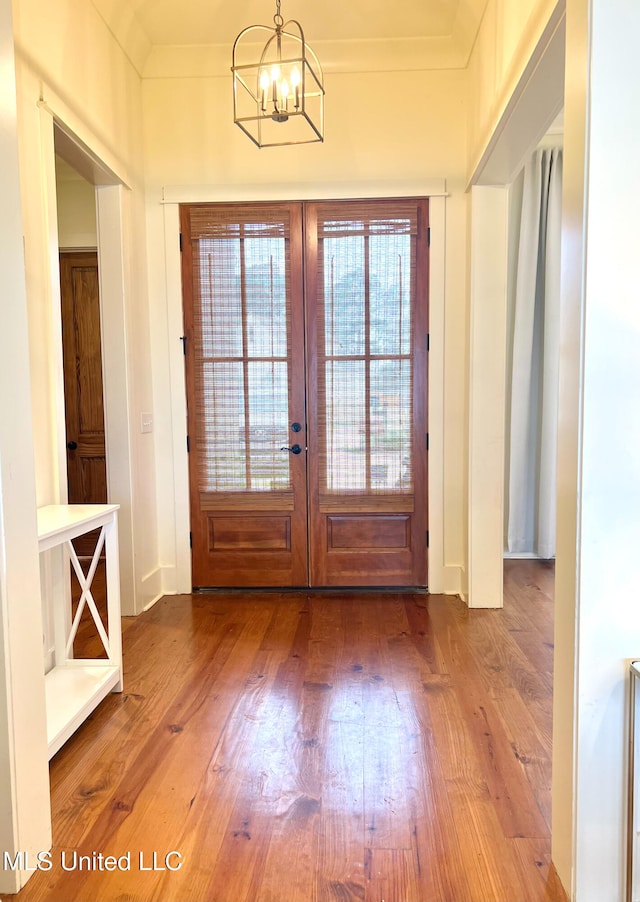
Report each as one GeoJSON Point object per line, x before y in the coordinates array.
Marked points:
{"type": "Point", "coordinates": [366, 295]}
{"type": "Point", "coordinates": [243, 318]}
{"type": "Point", "coordinates": [84, 403]}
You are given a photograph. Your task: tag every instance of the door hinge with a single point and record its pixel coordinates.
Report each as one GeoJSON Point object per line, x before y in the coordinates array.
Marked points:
{"type": "Point", "coordinates": [427, 538]}
{"type": "Point", "coordinates": [428, 237]}
{"type": "Point", "coordinates": [428, 342]}
{"type": "Point", "coordinates": [427, 441]}
{"type": "Point", "coordinates": [180, 242]}
{"type": "Point", "coordinates": [183, 339]}
{"type": "Point", "coordinates": [190, 540]}
{"type": "Point", "coordinates": [188, 445]}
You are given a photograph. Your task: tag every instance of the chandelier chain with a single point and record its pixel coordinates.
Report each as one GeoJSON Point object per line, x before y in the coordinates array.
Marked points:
{"type": "Point", "coordinates": [278, 20]}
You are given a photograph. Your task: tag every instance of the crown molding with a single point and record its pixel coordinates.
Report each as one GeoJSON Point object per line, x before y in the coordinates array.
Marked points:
{"type": "Point", "coordinates": [405, 54]}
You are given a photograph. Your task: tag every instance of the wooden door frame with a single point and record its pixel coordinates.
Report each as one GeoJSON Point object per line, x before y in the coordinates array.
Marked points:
{"type": "Point", "coordinates": [444, 576]}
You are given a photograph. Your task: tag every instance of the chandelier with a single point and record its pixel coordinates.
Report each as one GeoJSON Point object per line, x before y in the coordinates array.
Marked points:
{"type": "Point", "coordinates": [278, 91]}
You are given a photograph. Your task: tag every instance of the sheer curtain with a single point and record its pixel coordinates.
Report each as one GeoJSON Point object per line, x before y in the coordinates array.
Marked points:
{"type": "Point", "coordinates": [531, 510]}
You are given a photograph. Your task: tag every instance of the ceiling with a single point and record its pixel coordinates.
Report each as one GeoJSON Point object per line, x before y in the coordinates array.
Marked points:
{"type": "Point", "coordinates": [144, 27]}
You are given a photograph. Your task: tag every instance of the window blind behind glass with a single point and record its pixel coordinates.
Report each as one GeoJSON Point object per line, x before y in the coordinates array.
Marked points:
{"type": "Point", "coordinates": [242, 329]}
{"type": "Point", "coordinates": [366, 277]}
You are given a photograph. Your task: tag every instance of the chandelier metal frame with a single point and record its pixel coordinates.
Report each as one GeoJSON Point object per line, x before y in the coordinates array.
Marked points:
{"type": "Point", "coordinates": [278, 98]}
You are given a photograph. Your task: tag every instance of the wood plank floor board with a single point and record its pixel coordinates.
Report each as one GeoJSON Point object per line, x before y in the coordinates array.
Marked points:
{"type": "Point", "coordinates": [530, 585]}
{"type": "Point", "coordinates": [529, 745]}
{"type": "Point", "coordinates": [301, 747]}
{"type": "Point", "coordinates": [391, 875]}
{"type": "Point", "coordinates": [384, 775]}
{"type": "Point", "coordinates": [454, 742]}
{"type": "Point", "coordinates": [441, 869]}
{"type": "Point", "coordinates": [539, 655]}
{"type": "Point", "coordinates": [540, 880]}
{"type": "Point", "coordinates": [422, 635]}
{"type": "Point", "coordinates": [512, 797]}
{"type": "Point", "coordinates": [497, 872]}
{"type": "Point", "coordinates": [340, 830]}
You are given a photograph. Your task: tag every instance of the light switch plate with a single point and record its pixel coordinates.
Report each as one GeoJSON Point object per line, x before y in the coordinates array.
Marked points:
{"type": "Point", "coordinates": [146, 422]}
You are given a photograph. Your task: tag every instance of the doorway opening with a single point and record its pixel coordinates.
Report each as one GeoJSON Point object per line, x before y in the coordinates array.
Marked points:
{"type": "Point", "coordinates": [533, 354]}
{"type": "Point", "coordinates": [86, 465]}
{"type": "Point", "coordinates": [100, 226]}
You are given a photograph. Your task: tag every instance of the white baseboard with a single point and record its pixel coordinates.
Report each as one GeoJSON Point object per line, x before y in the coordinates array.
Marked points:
{"type": "Point", "coordinates": [445, 580]}
{"type": "Point", "coordinates": [151, 589]}
{"type": "Point", "coordinates": [49, 659]}
{"type": "Point", "coordinates": [175, 581]}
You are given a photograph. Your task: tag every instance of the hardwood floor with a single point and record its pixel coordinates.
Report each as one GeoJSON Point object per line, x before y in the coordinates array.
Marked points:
{"type": "Point", "coordinates": [297, 747]}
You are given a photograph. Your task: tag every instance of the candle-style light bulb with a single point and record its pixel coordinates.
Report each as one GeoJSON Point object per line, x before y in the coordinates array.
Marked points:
{"type": "Point", "coordinates": [284, 88]}
{"type": "Point", "coordinates": [295, 83]}
{"type": "Point", "coordinates": [264, 87]}
{"type": "Point", "coordinates": [275, 75]}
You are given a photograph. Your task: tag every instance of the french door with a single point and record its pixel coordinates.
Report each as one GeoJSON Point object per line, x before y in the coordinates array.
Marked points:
{"type": "Point", "coordinates": [306, 347]}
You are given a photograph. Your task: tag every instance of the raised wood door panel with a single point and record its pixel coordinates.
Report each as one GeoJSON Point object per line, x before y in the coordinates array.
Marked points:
{"type": "Point", "coordinates": [243, 319]}
{"type": "Point", "coordinates": [83, 389]}
{"type": "Point", "coordinates": [367, 312]}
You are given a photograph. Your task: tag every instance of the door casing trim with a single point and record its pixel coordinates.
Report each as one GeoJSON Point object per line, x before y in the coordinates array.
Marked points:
{"type": "Point", "coordinates": [443, 578]}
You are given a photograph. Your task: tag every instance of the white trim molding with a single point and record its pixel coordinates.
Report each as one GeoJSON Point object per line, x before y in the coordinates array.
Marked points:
{"type": "Point", "coordinates": [487, 357]}
{"type": "Point", "coordinates": [299, 191]}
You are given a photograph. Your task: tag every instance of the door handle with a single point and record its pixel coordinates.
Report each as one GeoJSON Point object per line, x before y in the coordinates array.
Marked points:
{"type": "Point", "coordinates": [72, 446]}
{"type": "Point", "coordinates": [294, 449]}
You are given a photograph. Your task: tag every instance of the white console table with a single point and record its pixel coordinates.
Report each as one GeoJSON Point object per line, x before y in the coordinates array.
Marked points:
{"type": "Point", "coordinates": [74, 686]}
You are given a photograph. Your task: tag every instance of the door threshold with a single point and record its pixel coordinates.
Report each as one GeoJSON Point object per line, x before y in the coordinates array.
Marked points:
{"type": "Point", "coordinates": [327, 590]}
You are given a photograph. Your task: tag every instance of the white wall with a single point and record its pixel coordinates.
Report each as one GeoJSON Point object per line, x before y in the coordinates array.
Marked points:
{"type": "Point", "coordinates": [76, 205]}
